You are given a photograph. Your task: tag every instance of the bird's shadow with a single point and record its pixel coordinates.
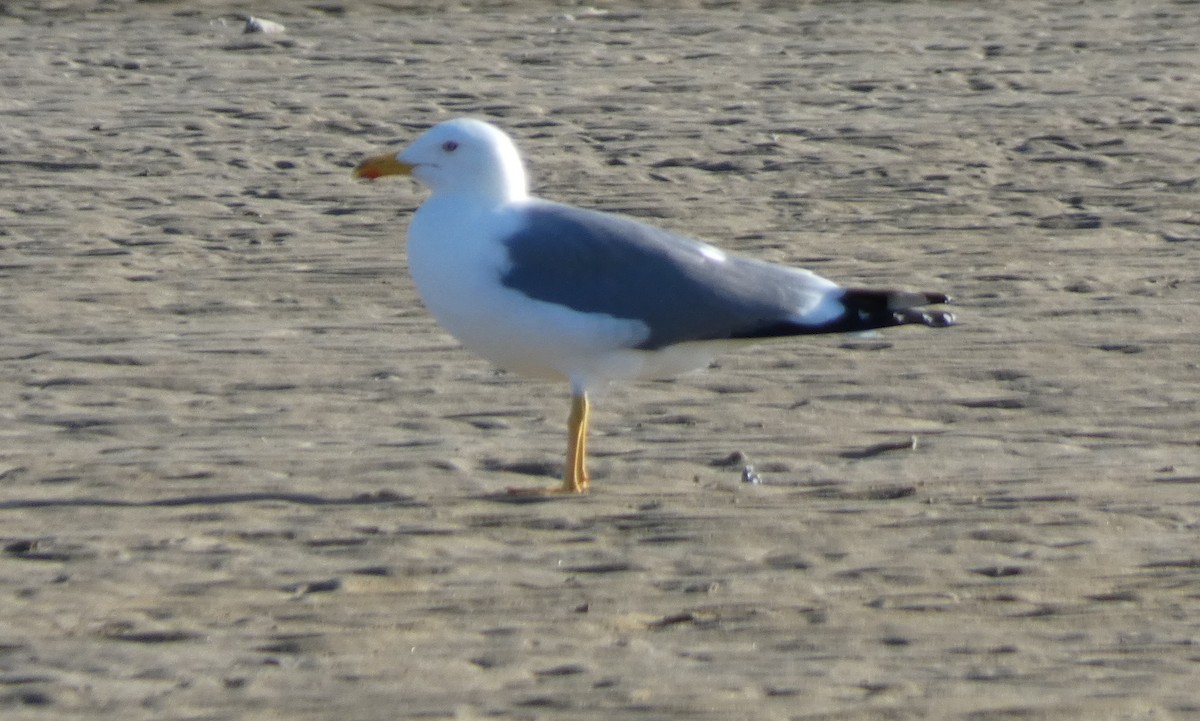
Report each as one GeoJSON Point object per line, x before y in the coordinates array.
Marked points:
{"type": "Point", "coordinates": [519, 498]}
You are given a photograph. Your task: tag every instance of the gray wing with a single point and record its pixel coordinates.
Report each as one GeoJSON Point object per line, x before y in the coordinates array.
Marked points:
{"type": "Point", "coordinates": [680, 289]}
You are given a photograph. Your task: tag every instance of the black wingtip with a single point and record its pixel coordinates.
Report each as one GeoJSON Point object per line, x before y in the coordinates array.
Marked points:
{"type": "Point", "coordinates": [920, 316]}
{"type": "Point", "coordinates": [872, 308]}
{"type": "Point", "coordinates": [865, 309]}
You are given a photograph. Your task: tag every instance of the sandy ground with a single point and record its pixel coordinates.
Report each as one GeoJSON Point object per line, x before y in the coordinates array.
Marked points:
{"type": "Point", "coordinates": [244, 476]}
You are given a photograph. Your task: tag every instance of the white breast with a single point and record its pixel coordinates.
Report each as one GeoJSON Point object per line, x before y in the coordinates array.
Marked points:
{"type": "Point", "coordinates": [457, 262]}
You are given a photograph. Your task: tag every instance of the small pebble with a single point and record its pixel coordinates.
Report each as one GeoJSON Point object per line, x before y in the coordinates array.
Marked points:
{"type": "Point", "coordinates": [749, 475]}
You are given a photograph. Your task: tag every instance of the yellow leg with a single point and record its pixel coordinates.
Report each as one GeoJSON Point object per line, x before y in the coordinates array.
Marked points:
{"type": "Point", "coordinates": [575, 479]}
{"type": "Point", "coordinates": [575, 476]}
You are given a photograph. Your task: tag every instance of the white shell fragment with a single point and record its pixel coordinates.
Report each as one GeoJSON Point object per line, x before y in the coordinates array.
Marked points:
{"type": "Point", "coordinates": [259, 25]}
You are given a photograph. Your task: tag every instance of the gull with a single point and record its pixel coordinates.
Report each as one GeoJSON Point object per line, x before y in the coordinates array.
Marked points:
{"type": "Point", "coordinates": [559, 292]}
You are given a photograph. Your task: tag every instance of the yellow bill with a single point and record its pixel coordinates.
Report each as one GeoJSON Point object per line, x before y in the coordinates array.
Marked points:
{"type": "Point", "coordinates": [381, 165]}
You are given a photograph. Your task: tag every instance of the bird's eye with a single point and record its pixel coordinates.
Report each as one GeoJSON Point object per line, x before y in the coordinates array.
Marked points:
{"type": "Point", "coordinates": [450, 146]}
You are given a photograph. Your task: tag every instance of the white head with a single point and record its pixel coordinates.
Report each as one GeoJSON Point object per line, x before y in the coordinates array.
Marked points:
{"type": "Point", "coordinates": [458, 156]}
